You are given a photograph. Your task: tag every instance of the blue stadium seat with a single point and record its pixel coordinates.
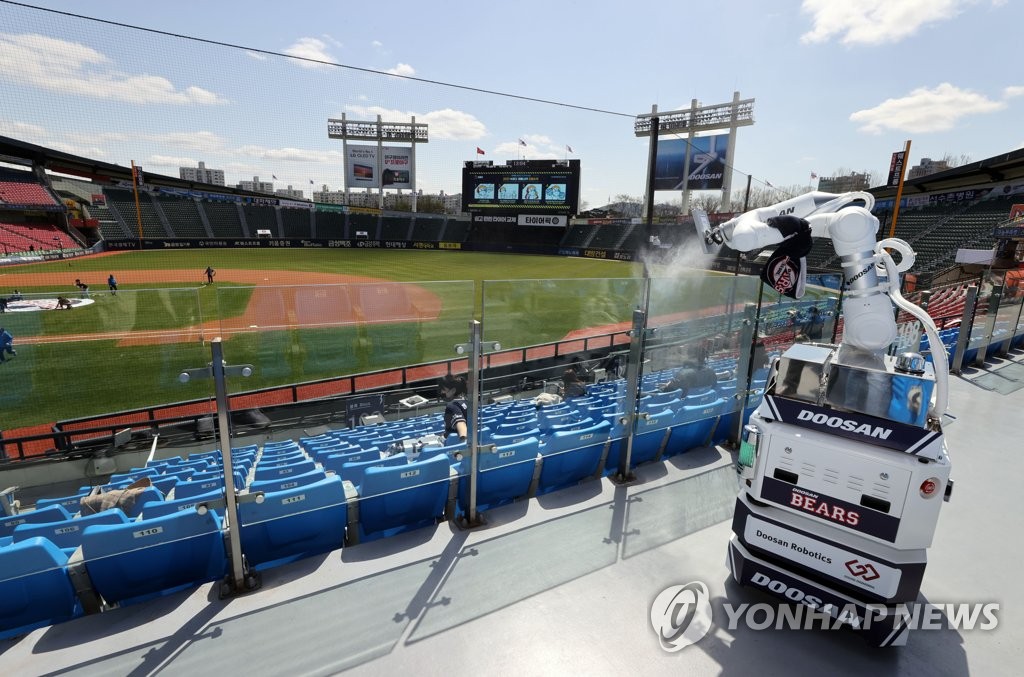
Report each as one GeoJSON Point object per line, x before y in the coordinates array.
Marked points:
{"type": "Point", "coordinates": [353, 471]}
{"type": "Point", "coordinates": [649, 441]}
{"type": "Point", "coordinates": [398, 498]}
{"type": "Point", "coordinates": [274, 472]}
{"type": "Point", "coordinates": [294, 523]}
{"type": "Point", "coordinates": [334, 462]}
{"type": "Point", "coordinates": [51, 513]}
{"type": "Point", "coordinates": [195, 488]}
{"type": "Point", "coordinates": [288, 481]}
{"type": "Point", "coordinates": [504, 474]}
{"type": "Point", "coordinates": [571, 456]}
{"type": "Point", "coordinates": [130, 563]}
{"type": "Point", "coordinates": [35, 590]}
{"type": "Point", "coordinates": [67, 534]}
{"type": "Point", "coordinates": [154, 509]}
{"type": "Point", "coordinates": [70, 503]}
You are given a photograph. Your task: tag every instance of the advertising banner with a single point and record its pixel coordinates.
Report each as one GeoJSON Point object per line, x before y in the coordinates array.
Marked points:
{"type": "Point", "coordinates": [707, 163]}
{"type": "Point", "coordinates": [365, 171]}
{"type": "Point", "coordinates": [896, 168]}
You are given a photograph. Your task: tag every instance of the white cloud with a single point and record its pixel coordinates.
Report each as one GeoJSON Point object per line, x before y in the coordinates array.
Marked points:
{"type": "Point", "coordinates": [169, 161]}
{"type": "Point", "coordinates": [874, 22]}
{"type": "Point", "coordinates": [1012, 91]}
{"type": "Point", "coordinates": [289, 154]}
{"type": "Point", "coordinates": [256, 55]}
{"type": "Point", "coordinates": [377, 43]}
{"type": "Point", "coordinates": [402, 69]}
{"type": "Point", "coordinates": [925, 110]}
{"type": "Point", "coordinates": [23, 131]}
{"type": "Point", "coordinates": [76, 70]}
{"type": "Point", "coordinates": [310, 48]}
{"type": "Point", "coordinates": [444, 125]}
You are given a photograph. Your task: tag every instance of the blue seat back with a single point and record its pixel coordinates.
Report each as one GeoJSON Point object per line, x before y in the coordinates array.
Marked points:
{"type": "Point", "coordinates": [67, 534]}
{"type": "Point", "coordinates": [397, 498]}
{"type": "Point", "coordinates": [70, 503]}
{"type": "Point", "coordinates": [132, 562]}
{"type": "Point", "coordinates": [288, 482]}
{"type": "Point", "coordinates": [294, 523]}
{"type": "Point", "coordinates": [505, 474]}
{"type": "Point", "coordinates": [51, 513]}
{"type": "Point", "coordinates": [572, 455]}
{"type": "Point", "coordinates": [35, 590]}
{"type": "Point", "coordinates": [353, 472]}
{"type": "Point", "coordinates": [279, 471]}
{"type": "Point", "coordinates": [155, 509]}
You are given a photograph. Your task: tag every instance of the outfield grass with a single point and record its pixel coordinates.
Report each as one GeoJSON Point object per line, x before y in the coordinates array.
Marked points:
{"type": "Point", "coordinates": [56, 378]}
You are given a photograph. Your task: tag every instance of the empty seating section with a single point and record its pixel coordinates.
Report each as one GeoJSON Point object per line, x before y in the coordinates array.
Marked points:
{"type": "Point", "coordinates": [634, 238]}
{"type": "Point", "coordinates": [330, 224]}
{"type": "Point", "coordinates": [22, 188]}
{"type": "Point", "coordinates": [456, 230]}
{"type": "Point", "coordinates": [427, 229]}
{"type": "Point", "coordinates": [363, 223]}
{"type": "Point", "coordinates": [259, 217]}
{"type": "Point", "coordinates": [395, 228]}
{"type": "Point", "coordinates": [224, 219]}
{"type": "Point", "coordinates": [183, 216]}
{"type": "Point", "coordinates": [21, 237]}
{"type": "Point", "coordinates": [577, 235]}
{"type": "Point", "coordinates": [123, 203]}
{"type": "Point", "coordinates": [608, 236]}
{"type": "Point", "coordinates": [295, 223]}
{"type": "Point", "coordinates": [110, 227]}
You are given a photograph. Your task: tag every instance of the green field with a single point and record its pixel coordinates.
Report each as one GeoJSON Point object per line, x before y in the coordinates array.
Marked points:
{"type": "Point", "coordinates": [64, 369]}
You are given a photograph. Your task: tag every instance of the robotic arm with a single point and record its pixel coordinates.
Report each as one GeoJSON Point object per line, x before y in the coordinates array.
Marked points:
{"type": "Point", "coordinates": [870, 322]}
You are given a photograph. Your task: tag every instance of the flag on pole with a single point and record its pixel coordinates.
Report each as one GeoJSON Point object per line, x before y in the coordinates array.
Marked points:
{"type": "Point", "coordinates": [273, 176]}
{"type": "Point", "coordinates": [813, 176]}
{"type": "Point", "coordinates": [311, 182]}
{"type": "Point", "coordinates": [480, 151]}
{"type": "Point", "coordinates": [568, 147]}
{"type": "Point", "coordinates": [521, 142]}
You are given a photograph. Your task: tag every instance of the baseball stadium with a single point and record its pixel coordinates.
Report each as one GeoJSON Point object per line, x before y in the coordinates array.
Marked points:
{"type": "Point", "coordinates": [380, 428]}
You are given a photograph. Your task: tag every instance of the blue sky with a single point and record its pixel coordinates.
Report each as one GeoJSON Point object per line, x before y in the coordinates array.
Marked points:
{"type": "Point", "coordinates": [837, 84]}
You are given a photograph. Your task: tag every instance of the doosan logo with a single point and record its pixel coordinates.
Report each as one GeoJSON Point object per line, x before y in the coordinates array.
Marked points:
{"type": "Point", "coordinates": [841, 423]}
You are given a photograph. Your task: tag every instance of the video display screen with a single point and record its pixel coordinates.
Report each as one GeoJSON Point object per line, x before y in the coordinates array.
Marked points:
{"type": "Point", "coordinates": [521, 187]}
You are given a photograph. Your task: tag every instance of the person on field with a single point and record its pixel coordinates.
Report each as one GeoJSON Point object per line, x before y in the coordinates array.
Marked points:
{"type": "Point", "coordinates": [6, 344]}
{"type": "Point", "coordinates": [83, 288]}
{"type": "Point", "coordinates": [210, 272]}
{"type": "Point", "coordinates": [63, 303]}
{"type": "Point", "coordinates": [112, 283]}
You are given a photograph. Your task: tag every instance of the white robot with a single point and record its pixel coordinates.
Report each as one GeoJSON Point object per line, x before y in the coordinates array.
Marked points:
{"type": "Point", "coordinates": [843, 466]}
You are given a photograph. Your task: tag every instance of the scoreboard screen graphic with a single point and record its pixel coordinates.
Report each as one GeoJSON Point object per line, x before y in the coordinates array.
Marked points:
{"type": "Point", "coordinates": [521, 187]}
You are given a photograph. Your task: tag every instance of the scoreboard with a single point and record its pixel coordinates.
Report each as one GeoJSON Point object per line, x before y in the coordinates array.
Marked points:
{"type": "Point", "coordinates": [540, 187]}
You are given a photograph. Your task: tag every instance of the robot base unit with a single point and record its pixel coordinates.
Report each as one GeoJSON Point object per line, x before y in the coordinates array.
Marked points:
{"type": "Point", "coordinates": [842, 479]}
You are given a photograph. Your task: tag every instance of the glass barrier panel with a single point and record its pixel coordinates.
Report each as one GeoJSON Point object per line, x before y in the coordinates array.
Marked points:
{"type": "Point", "coordinates": [556, 386]}
{"type": "Point", "coordinates": [77, 356]}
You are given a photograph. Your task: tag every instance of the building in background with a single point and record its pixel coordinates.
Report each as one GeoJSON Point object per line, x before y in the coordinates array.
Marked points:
{"type": "Point", "coordinates": [201, 174]}
{"type": "Point", "coordinates": [843, 184]}
{"type": "Point", "coordinates": [256, 186]}
{"type": "Point", "coordinates": [291, 193]}
{"type": "Point", "coordinates": [927, 166]}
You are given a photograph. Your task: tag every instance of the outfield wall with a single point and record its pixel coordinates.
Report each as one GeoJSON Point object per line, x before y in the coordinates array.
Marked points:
{"type": "Point", "coordinates": [318, 243]}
